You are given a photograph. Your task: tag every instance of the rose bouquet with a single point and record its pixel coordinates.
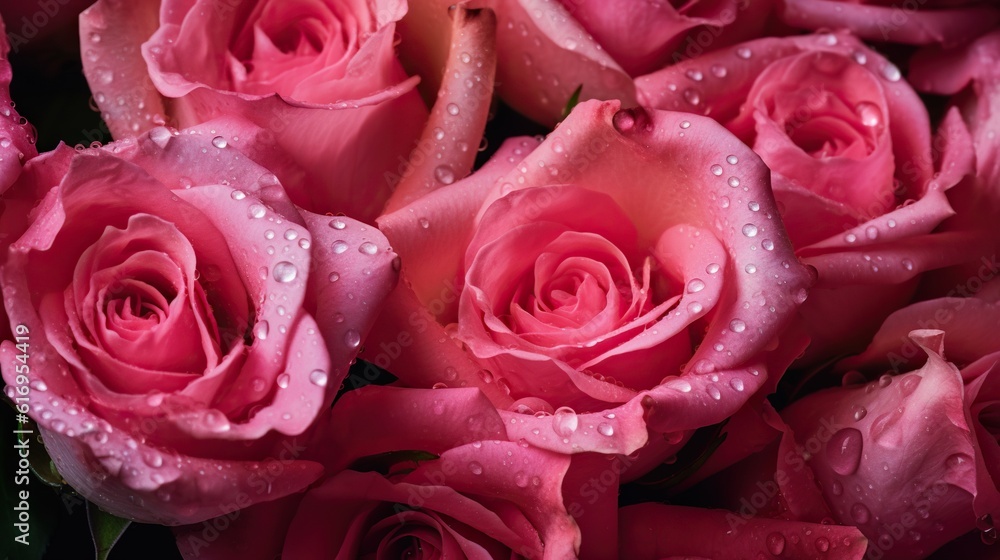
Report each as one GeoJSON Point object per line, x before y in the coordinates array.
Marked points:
{"type": "Point", "coordinates": [500, 279]}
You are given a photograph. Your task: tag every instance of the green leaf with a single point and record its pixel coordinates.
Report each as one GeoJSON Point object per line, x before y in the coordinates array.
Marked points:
{"type": "Point", "coordinates": [106, 529]}
{"type": "Point", "coordinates": [574, 100]}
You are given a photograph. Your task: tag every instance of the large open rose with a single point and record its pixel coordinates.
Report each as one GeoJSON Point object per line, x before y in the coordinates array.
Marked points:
{"type": "Point", "coordinates": [322, 76]}
{"type": "Point", "coordinates": [860, 183]}
{"type": "Point", "coordinates": [628, 272]}
{"type": "Point", "coordinates": [166, 344]}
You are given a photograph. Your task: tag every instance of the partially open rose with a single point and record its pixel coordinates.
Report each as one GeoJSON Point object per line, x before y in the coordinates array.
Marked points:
{"type": "Point", "coordinates": [628, 272]}
{"type": "Point", "coordinates": [322, 76]}
{"type": "Point", "coordinates": [166, 344]}
{"type": "Point", "coordinates": [913, 22]}
{"type": "Point", "coordinates": [858, 179]}
{"type": "Point", "coordinates": [913, 461]}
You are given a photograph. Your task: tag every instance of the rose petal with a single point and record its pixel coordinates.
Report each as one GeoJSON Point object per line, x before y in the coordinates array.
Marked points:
{"type": "Point", "coordinates": [110, 35]}
{"type": "Point", "coordinates": [459, 114]}
{"type": "Point", "coordinates": [710, 533]}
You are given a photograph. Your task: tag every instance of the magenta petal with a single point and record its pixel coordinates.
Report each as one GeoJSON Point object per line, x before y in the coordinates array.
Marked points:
{"type": "Point", "coordinates": [645, 532]}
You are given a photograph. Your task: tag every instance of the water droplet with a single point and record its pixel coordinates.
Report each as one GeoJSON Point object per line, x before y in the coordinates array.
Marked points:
{"type": "Point", "coordinates": [850, 238]}
{"type": "Point", "coordinates": [486, 375]}
{"type": "Point", "coordinates": [734, 182]}
{"type": "Point", "coordinates": [256, 211]}
{"type": "Point", "coordinates": [844, 451]}
{"type": "Point", "coordinates": [870, 114]}
{"type": "Point", "coordinates": [750, 230]}
{"type": "Point", "coordinates": [685, 124]}
{"type": "Point", "coordinates": [744, 53]}
{"type": "Point", "coordinates": [737, 326]}
{"type": "Point", "coordinates": [692, 96]}
{"type": "Point", "coordinates": [260, 330]}
{"type": "Point", "coordinates": [337, 223]}
{"type": "Point", "coordinates": [565, 421]}
{"type": "Point", "coordinates": [238, 195]}
{"type": "Point", "coordinates": [736, 383]}
{"type": "Point", "coordinates": [219, 142]}
{"type": "Point", "coordinates": [712, 268]}
{"type": "Point", "coordinates": [776, 543]}
{"type": "Point", "coordinates": [836, 488]}
{"type": "Point", "coordinates": [368, 248]}
{"type": "Point", "coordinates": [860, 57]}
{"type": "Point", "coordinates": [860, 514]}
{"type": "Point", "coordinates": [476, 468]}
{"type": "Point", "coordinates": [284, 272]}
{"type": "Point", "coordinates": [695, 285]}
{"type": "Point", "coordinates": [767, 244]}
{"type": "Point", "coordinates": [352, 338]}
{"type": "Point", "coordinates": [891, 72]}
{"type": "Point", "coordinates": [444, 175]}
{"type": "Point", "coordinates": [719, 71]}
{"type": "Point", "coordinates": [318, 377]}
{"type": "Point", "coordinates": [38, 385]}
{"type": "Point", "coordinates": [859, 412]}
{"type": "Point", "coordinates": [885, 381]}
{"type": "Point", "coordinates": [452, 109]}
{"type": "Point", "coordinates": [714, 392]}
{"type": "Point", "coordinates": [732, 160]}
{"type": "Point", "coordinates": [424, 223]}
{"type": "Point", "coordinates": [695, 307]}
{"type": "Point", "coordinates": [750, 268]}
{"type": "Point", "coordinates": [304, 243]}
{"type": "Point", "coordinates": [521, 479]}
{"type": "Point", "coordinates": [333, 277]}
{"type": "Point", "coordinates": [283, 380]}
{"type": "Point", "coordinates": [822, 544]}
{"type": "Point", "coordinates": [716, 169]}
{"type": "Point", "coordinates": [339, 246]}
{"type": "Point", "coordinates": [695, 75]}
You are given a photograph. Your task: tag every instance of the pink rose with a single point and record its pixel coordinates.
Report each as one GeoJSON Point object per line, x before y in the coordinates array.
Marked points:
{"type": "Point", "coordinates": [913, 22]}
{"type": "Point", "coordinates": [859, 182]}
{"type": "Point", "coordinates": [413, 471]}
{"type": "Point", "coordinates": [546, 54]}
{"type": "Point", "coordinates": [912, 457]}
{"type": "Point", "coordinates": [605, 283]}
{"type": "Point", "coordinates": [166, 343]}
{"type": "Point", "coordinates": [970, 74]}
{"type": "Point", "coordinates": [650, 531]}
{"type": "Point", "coordinates": [322, 76]}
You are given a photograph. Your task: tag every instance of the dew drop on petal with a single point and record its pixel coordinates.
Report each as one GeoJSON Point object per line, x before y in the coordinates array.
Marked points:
{"type": "Point", "coordinates": [318, 377]}
{"type": "Point", "coordinates": [284, 272]}
{"type": "Point", "coordinates": [352, 338]}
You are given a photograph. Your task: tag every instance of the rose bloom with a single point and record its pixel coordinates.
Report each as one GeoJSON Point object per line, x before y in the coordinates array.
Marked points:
{"type": "Point", "coordinates": [468, 493]}
{"type": "Point", "coordinates": [859, 181]}
{"type": "Point", "coordinates": [321, 76]}
{"type": "Point", "coordinates": [912, 22]}
{"type": "Point", "coordinates": [598, 285]}
{"type": "Point", "coordinates": [167, 347]}
{"type": "Point", "coordinates": [544, 55]}
{"type": "Point", "coordinates": [915, 461]}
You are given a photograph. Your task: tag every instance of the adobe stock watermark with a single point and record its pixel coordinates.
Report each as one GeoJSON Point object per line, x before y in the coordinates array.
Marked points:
{"type": "Point", "coordinates": [960, 294]}
{"type": "Point", "coordinates": [796, 459]}
{"type": "Point", "coordinates": [260, 482]}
